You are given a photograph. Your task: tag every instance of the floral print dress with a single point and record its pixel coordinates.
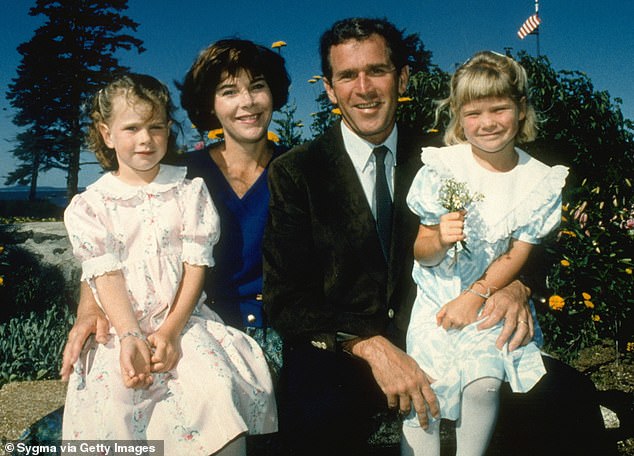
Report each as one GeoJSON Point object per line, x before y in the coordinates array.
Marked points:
{"type": "Point", "coordinates": [221, 386]}
{"type": "Point", "coordinates": [525, 204]}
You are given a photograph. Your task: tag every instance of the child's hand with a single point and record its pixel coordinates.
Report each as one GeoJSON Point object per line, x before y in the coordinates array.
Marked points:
{"type": "Point", "coordinates": [134, 359]}
{"type": "Point", "coordinates": [451, 228]}
{"type": "Point", "coordinates": [459, 312]}
{"type": "Point", "coordinates": [167, 350]}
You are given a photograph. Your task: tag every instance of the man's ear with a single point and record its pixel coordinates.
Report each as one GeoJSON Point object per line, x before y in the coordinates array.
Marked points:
{"type": "Point", "coordinates": [330, 91]}
{"type": "Point", "coordinates": [104, 129]}
{"type": "Point", "coordinates": [403, 79]}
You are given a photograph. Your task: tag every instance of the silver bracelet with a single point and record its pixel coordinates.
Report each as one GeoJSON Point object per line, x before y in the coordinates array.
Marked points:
{"type": "Point", "coordinates": [136, 334]}
{"type": "Point", "coordinates": [484, 296]}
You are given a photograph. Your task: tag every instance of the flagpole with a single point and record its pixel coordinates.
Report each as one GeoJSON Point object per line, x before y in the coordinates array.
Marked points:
{"type": "Point", "coordinates": [537, 31]}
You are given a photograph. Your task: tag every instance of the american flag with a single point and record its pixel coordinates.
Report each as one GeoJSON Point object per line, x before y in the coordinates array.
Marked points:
{"type": "Point", "coordinates": [529, 26]}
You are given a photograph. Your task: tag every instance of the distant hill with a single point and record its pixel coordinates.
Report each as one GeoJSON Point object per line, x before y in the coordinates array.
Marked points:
{"type": "Point", "coordinates": [56, 195]}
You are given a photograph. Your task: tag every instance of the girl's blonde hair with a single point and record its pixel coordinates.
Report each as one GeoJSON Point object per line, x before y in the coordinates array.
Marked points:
{"type": "Point", "coordinates": [135, 88]}
{"type": "Point", "coordinates": [488, 74]}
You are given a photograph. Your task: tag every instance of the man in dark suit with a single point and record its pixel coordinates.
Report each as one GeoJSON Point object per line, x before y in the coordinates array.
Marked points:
{"type": "Point", "coordinates": [335, 287]}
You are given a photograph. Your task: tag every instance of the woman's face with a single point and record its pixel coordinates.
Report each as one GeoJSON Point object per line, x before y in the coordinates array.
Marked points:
{"type": "Point", "coordinates": [244, 107]}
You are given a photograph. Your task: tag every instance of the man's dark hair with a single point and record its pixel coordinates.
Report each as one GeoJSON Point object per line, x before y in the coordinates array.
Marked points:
{"type": "Point", "coordinates": [359, 28]}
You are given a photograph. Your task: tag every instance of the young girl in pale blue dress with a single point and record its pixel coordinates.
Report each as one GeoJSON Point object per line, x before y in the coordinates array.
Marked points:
{"type": "Point", "coordinates": [510, 202]}
{"type": "Point", "coordinates": [172, 371]}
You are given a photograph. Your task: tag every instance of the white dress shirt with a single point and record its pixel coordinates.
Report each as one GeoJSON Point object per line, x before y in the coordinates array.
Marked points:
{"type": "Point", "coordinates": [364, 161]}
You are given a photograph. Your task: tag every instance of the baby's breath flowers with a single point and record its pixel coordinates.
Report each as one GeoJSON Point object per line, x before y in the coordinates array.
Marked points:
{"type": "Point", "coordinates": [455, 196]}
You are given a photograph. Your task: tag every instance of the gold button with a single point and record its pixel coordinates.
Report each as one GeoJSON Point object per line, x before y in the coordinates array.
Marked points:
{"type": "Point", "coordinates": [390, 313]}
{"type": "Point", "coordinates": [251, 318]}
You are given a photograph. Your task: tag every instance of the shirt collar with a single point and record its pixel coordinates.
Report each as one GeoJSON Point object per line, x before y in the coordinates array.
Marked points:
{"type": "Point", "coordinates": [360, 150]}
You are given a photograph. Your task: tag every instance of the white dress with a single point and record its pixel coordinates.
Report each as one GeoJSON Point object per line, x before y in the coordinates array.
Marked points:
{"type": "Point", "coordinates": [221, 386]}
{"type": "Point", "coordinates": [524, 204]}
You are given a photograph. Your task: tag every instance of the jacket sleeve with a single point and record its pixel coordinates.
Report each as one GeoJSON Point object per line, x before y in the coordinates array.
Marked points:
{"type": "Point", "coordinates": [293, 283]}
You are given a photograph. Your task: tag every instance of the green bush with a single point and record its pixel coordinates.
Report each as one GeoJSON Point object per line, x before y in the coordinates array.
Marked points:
{"type": "Point", "coordinates": [31, 345]}
{"type": "Point", "coordinates": [590, 272]}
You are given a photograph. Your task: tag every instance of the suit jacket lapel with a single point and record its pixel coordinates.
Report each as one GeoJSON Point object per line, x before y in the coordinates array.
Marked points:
{"type": "Point", "coordinates": [350, 206]}
{"type": "Point", "coordinates": [405, 223]}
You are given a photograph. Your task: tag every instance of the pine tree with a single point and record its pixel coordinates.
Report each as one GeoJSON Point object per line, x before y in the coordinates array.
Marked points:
{"type": "Point", "coordinates": [67, 58]}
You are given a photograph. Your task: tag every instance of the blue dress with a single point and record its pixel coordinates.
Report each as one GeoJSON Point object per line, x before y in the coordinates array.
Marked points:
{"type": "Point", "coordinates": [524, 204]}
{"type": "Point", "coordinates": [234, 285]}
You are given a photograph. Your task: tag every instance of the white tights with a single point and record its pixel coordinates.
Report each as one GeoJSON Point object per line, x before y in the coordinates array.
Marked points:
{"type": "Point", "coordinates": [237, 447]}
{"type": "Point", "coordinates": [479, 409]}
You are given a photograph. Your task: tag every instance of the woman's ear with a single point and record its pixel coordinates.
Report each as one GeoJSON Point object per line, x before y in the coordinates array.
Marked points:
{"type": "Point", "coordinates": [104, 129]}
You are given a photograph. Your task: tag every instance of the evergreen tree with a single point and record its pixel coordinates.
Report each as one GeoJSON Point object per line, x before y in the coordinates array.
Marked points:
{"type": "Point", "coordinates": [67, 58]}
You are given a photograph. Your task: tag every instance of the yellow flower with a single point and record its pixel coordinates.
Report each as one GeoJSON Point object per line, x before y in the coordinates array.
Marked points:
{"type": "Point", "coordinates": [273, 137]}
{"type": "Point", "coordinates": [565, 263]}
{"type": "Point", "coordinates": [629, 347]}
{"type": "Point", "coordinates": [1, 248]}
{"type": "Point", "coordinates": [215, 134]}
{"type": "Point", "coordinates": [586, 295]}
{"type": "Point", "coordinates": [278, 44]}
{"type": "Point", "coordinates": [336, 111]}
{"type": "Point", "coordinates": [589, 304]}
{"type": "Point", "coordinates": [569, 233]}
{"type": "Point", "coordinates": [432, 130]}
{"type": "Point", "coordinates": [564, 207]}
{"type": "Point", "coordinates": [556, 302]}
{"type": "Point", "coordinates": [596, 318]}
{"type": "Point", "coordinates": [1, 281]}
{"type": "Point", "coordinates": [404, 99]}
{"type": "Point", "coordinates": [563, 218]}
{"type": "Point", "coordinates": [628, 271]}
{"type": "Point", "coordinates": [316, 76]}
{"type": "Point", "coordinates": [312, 80]}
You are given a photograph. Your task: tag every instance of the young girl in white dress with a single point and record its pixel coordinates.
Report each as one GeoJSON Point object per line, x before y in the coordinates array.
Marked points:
{"type": "Point", "coordinates": [465, 255]}
{"type": "Point", "coordinates": [172, 371]}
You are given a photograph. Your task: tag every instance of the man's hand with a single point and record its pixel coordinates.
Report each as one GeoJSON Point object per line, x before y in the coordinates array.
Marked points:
{"type": "Point", "coordinates": [87, 323]}
{"type": "Point", "coordinates": [400, 378]}
{"type": "Point", "coordinates": [511, 305]}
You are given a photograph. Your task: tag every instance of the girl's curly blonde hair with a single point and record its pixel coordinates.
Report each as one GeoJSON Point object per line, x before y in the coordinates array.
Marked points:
{"type": "Point", "coordinates": [488, 74]}
{"type": "Point", "coordinates": [135, 88]}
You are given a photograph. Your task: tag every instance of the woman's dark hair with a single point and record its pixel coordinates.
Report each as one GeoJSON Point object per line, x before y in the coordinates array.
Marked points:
{"type": "Point", "coordinates": [359, 28]}
{"type": "Point", "coordinates": [229, 57]}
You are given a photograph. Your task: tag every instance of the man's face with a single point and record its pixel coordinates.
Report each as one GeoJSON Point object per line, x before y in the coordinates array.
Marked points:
{"type": "Point", "coordinates": [365, 86]}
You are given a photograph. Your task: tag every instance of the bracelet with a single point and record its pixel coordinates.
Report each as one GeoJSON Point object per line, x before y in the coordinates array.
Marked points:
{"type": "Point", "coordinates": [484, 296]}
{"type": "Point", "coordinates": [136, 334]}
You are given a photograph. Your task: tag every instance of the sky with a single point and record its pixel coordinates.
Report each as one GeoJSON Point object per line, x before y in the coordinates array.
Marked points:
{"type": "Point", "coordinates": [594, 37]}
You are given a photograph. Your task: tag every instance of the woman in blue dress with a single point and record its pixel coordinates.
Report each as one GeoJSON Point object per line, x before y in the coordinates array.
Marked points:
{"type": "Point", "coordinates": [235, 85]}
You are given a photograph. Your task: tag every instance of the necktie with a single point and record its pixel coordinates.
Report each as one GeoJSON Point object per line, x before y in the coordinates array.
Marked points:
{"type": "Point", "coordinates": [383, 200]}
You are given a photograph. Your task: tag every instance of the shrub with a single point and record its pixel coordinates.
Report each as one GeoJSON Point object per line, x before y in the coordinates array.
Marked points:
{"type": "Point", "coordinates": [31, 345]}
{"type": "Point", "coordinates": [590, 272]}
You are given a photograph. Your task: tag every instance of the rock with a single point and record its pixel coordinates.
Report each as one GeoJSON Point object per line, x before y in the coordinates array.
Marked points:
{"type": "Point", "coordinates": [610, 418]}
{"type": "Point", "coordinates": [49, 242]}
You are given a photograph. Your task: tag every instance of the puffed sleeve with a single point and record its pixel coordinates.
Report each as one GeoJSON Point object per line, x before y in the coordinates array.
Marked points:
{"type": "Point", "coordinates": [201, 225]}
{"type": "Point", "coordinates": [422, 198]}
{"type": "Point", "coordinates": [93, 243]}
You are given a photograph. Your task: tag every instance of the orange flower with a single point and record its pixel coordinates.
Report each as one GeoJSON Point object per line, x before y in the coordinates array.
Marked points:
{"type": "Point", "coordinates": [586, 296]}
{"type": "Point", "coordinates": [404, 99]}
{"type": "Point", "coordinates": [278, 44]}
{"type": "Point", "coordinates": [589, 304]}
{"type": "Point", "coordinates": [556, 302]}
{"type": "Point", "coordinates": [272, 137]}
{"type": "Point", "coordinates": [565, 263]}
{"type": "Point", "coordinates": [569, 233]}
{"type": "Point", "coordinates": [596, 318]}
{"type": "Point", "coordinates": [215, 134]}
{"type": "Point", "coordinates": [336, 111]}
